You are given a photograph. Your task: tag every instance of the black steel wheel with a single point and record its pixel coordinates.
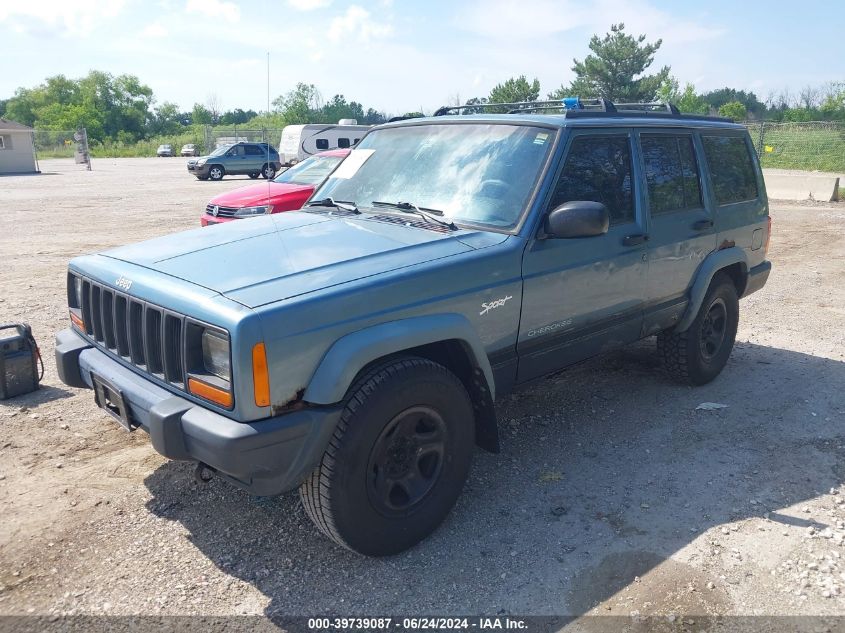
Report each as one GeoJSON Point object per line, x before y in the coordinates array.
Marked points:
{"type": "Point", "coordinates": [406, 460]}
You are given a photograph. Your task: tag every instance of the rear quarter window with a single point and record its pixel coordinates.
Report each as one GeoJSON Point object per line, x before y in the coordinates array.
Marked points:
{"type": "Point", "coordinates": [731, 168]}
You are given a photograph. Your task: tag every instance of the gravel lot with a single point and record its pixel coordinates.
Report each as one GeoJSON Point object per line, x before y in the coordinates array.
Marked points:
{"type": "Point", "coordinates": [612, 494]}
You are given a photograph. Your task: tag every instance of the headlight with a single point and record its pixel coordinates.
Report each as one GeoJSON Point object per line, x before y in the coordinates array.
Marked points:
{"type": "Point", "coordinates": [246, 212]}
{"type": "Point", "coordinates": [200, 162]}
{"type": "Point", "coordinates": [215, 354]}
{"type": "Point", "coordinates": [77, 288]}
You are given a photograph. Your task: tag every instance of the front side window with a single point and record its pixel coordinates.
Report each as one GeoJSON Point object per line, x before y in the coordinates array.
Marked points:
{"type": "Point", "coordinates": [598, 169]}
{"type": "Point", "coordinates": [671, 173]}
{"type": "Point", "coordinates": [731, 168]}
{"type": "Point", "coordinates": [309, 172]}
{"type": "Point", "coordinates": [481, 173]}
{"type": "Point", "coordinates": [221, 150]}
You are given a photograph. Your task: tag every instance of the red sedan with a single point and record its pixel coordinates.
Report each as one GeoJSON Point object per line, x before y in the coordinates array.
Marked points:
{"type": "Point", "coordinates": [287, 192]}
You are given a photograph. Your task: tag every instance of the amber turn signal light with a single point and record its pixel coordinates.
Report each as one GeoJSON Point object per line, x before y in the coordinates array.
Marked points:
{"type": "Point", "coordinates": [77, 321]}
{"type": "Point", "coordinates": [210, 392]}
{"type": "Point", "coordinates": [260, 376]}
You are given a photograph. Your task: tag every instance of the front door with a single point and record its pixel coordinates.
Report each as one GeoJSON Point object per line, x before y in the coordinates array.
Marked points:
{"type": "Point", "coordinates": [585, 295]}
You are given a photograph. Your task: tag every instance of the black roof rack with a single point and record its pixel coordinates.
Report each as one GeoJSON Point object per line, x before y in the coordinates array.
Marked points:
{"type": "Point", "coordinates": [577, 107]}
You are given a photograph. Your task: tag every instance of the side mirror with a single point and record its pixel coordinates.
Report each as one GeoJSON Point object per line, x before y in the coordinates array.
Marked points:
{"type": "Point", "coordinates": [578, 218]}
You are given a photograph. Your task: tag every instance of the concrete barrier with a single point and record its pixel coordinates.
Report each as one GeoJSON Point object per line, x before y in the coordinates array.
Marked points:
{"type": "Point", "coordinates": [791, 184]}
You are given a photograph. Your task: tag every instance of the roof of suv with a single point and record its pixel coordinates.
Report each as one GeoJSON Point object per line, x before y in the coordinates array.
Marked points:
{"type": "Point", "coordinates": [575, 112]}
{"type": "Point", "coordinates": [595, 120]}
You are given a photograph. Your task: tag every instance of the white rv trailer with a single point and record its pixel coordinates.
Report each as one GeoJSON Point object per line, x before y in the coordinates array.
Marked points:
{"type": "Point", "coordinates": [301, 141]}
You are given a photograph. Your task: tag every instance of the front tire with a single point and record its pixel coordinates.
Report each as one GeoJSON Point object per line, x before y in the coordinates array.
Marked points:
{"type": "Point", "coordinates": [268, 171]}
{"type": "Point", "coordinates": [397, 461]}
{"type": "Point", "coordinates": [216, 172]}
{"type": "Point", "coordinates": [697, 355]}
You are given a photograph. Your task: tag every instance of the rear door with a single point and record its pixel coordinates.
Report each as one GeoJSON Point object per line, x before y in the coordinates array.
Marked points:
{"type": "Point", "coordinates": [680, 221]}
{"type": "Point", "coordinates": [585, 295]}
{"type": "Point", "coordinates": [255, 157]}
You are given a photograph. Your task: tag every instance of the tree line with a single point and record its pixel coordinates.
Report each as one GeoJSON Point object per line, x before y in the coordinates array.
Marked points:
{"type": "Point", "coordinates": [616, 70]}
{"type": "Point", "coordinates": [122, 109]}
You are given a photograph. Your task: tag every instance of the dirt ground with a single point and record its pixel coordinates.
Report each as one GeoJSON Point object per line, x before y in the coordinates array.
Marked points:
{"type": "Point", "coordinates": [612, 495]}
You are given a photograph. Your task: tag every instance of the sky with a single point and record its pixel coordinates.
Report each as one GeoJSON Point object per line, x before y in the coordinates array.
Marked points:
{"type": "Point", "coordinates": [402, 55]}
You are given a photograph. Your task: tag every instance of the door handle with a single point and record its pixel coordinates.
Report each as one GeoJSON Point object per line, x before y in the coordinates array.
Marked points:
{"type": "Point", "coordinates": [703, 225]}
{"type": "Point", "coordinates": [634, 240]}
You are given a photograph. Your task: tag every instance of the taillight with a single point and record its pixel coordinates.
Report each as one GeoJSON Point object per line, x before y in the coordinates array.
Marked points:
{"type": "Point", "coordinates": [768, 236]}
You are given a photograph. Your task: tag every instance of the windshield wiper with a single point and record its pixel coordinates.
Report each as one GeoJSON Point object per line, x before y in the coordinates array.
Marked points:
{"type": "Point", "coordinates": [409, 207]}
{"type": "Point", "coordinates": [345, 205]}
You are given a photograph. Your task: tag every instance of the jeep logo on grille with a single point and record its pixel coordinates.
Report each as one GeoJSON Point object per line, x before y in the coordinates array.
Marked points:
{"type": "Point", "coordinates": [123, 282]}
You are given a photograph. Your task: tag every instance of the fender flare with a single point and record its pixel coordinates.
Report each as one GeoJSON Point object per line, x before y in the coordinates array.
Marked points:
{"type": "Point", "coordinates": [352, 352]}
{"type": "Point", "coordinates": [712, 264]}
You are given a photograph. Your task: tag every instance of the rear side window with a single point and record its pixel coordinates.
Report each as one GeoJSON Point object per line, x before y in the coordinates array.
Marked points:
{"type": "Point", "coordinates": [731, 168]}
{"type": "Point", "coordinates": [671, 173]}
{"type": "Point", "coordinates": [343, 142]}
{"type": "Point", "coordinates": [598, 168]}
{"type": "Point", "coordinates": [254, 150]}
{"type": "Point", "coordinates": [322, 143]}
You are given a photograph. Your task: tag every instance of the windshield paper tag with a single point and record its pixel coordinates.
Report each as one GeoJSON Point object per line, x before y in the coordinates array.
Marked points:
{"type": "Point", "coordinates": [540, 138]}
{"type": "Point", "coordinates": [352, 163]}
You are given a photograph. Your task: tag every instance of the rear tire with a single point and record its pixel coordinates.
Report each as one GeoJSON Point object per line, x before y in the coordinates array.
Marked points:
{"type": "Point", "coordinates": [268, 171]}
{"type": "Point", "coordinates": [216, 172]}
{"type": "Point", "coordinates": [254, 174]}
{"type": "Point", "coordinates": [202, 177]}
{"type": "Point", "coordinates": [697, 355]}
{"type": "Point", "coordinates": [397, 461]}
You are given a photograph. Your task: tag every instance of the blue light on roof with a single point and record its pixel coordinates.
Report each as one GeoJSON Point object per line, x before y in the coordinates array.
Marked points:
{"type": "Point", "coordinates": [572, 103]}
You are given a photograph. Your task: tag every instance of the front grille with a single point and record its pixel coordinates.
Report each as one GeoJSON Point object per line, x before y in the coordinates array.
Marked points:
{"type": "Point", "coordinates": [223, 212]}
{"type": "Point", "coordinates": [145, 335]}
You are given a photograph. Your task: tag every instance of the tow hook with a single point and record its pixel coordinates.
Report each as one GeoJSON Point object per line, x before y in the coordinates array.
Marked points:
{"type": "Point", "coordinates": [203, 473]}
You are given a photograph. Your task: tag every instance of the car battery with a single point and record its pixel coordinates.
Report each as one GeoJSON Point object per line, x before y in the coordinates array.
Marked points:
{"type": "Point", "coordinates": [19, 359]}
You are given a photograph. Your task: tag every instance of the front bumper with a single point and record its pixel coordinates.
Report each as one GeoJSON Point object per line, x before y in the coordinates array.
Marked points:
{"type": "Point", "coordinates": [265, 457]}
{"type": "Point", "coordinates": [201, 170]}
{"type": "Point", "coordinates": [206, 219]}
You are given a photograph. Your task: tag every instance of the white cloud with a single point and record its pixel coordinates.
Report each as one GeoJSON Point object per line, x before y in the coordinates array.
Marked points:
{"type": "Point", "coordinates": [227, 11]}
{"type": "Point", "coordinates": [308, 5]}
{"type": "Point", "coordinates": [509, 20]}
{"type": "Point", "coordinates": [154, 30]}
{"type": "Point", "coordinates": [356, 23]}
{"type": "Point", "coordinates": [58, 17]}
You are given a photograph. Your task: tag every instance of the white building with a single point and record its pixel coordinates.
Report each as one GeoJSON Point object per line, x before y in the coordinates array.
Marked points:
{"type": "Point", "coordinates": [17, 149]}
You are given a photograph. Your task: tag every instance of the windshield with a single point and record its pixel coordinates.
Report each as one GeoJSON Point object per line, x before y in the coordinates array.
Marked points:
{"type": "Point", "coordinates": [310, 172]}
{"type": "Point", "coordinates": [220, 150]}
{"type": "Point", "coordinates": [474, 172]}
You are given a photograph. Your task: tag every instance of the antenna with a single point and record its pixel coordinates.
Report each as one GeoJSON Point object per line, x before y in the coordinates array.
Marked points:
{"type": "Point", "coordinates": [267, 139]}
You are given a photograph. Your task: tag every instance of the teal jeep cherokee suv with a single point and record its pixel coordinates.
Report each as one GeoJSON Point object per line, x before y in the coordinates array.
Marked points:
{"type": "Point", "coordinates": [250, 159]}
{"type": "Point", "coordinates": [355, 349]}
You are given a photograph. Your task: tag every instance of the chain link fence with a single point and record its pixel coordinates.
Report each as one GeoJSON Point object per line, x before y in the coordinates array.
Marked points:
{"type": "Point", "coordinates": [217, 136]}
{"type": "Point", "coordinates": [55, 144]}
{"type": "Point", "coordinates": [811, 146]}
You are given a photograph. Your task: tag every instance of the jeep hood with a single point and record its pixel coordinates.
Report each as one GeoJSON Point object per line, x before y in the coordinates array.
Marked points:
{"type": "Point", "coordinates": [271, 258]}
